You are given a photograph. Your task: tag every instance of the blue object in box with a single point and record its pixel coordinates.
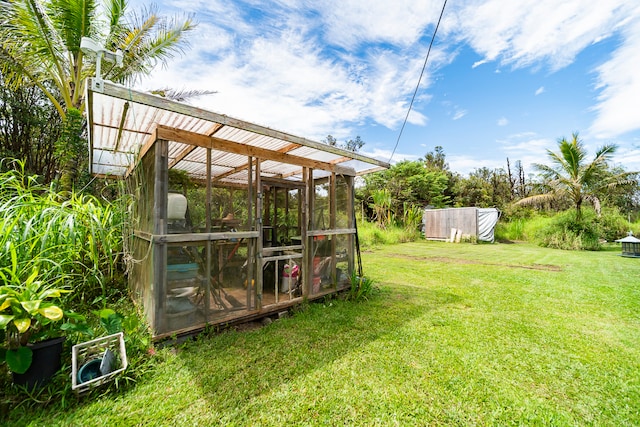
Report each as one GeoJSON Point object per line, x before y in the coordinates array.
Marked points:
{"type": "Point", "coordinates": [182, 271]}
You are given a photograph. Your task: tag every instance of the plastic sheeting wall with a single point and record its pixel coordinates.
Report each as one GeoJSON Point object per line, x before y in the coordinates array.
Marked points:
{"type": "Point", "coordinates": [487, 220]}
{"type": "Point", "coordinates": [479, 222]}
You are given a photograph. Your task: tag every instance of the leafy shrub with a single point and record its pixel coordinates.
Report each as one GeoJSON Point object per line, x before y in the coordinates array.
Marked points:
{"type": "Point", "coordinates": [613, 225]}
{"type": "Point", "coordinates": [565, 231]}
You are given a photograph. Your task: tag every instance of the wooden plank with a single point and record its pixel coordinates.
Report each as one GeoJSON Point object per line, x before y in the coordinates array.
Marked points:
{"type": "Point", "coordinates": [281, 257]}
{"type": "Point", "coordinates": [231, 172]}
{"type": "Point", "coordinates": [351, 223]}
{"type": "Point", "coordinates": [259, 262]}
{"type": "Point", "coordinates": [148, 143]}
{"type": "Point", "coordinates": [252, 244]}
{"type": "Point", "coordinates": [160, 227]}
{"type": "Point", "coordinates": [192, 138]}
{"type": "Point", "coordinates": [204, 237]}
{"type": "Point", "coordinates": [315, 233]}
{"type": "Point", "coordinates": [88, 96]}
{"type": "Point", "coordinates": [283, 183]}
{"type": "Point", "coordinates": [282, 248]}
{"type": "Point", "coordinates": [125, 110]}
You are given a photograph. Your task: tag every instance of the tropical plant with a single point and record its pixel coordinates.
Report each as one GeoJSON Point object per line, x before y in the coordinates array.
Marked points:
{"type": "Point", "coordinates": [407, 183]}
{"type": "Point", "coordinates": [412, 217]}
{"type": "Point", "coordinates": [26, 307]}
{"type": "Point", "coordinates": [40, 42]}
{"type": "Point", "coordinates": [382, 206]}
{"type": "Point", "coordinates": [571, 177]}
{"type": "Point", "coordinates": [361, 288]}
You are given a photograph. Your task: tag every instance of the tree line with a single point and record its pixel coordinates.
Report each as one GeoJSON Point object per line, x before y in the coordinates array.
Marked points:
{"type": "Point", "coordinates": [569, 181]}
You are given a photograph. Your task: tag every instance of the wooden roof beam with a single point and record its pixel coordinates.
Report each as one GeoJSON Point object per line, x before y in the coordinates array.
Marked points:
{"type": "Point", "coordinates": [192, 138]}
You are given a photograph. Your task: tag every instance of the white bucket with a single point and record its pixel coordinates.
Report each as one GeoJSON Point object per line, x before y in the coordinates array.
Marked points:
{"type": "Point", "coordinates": [285, 284]}
{"type": "Point", "coordinates": [176, 206]}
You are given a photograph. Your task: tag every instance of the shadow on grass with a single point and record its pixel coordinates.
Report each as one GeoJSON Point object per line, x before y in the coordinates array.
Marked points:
{"type": "Point", "coordinates": [226, 377]}
{"type": "Point", "coordinates": [236, 368]}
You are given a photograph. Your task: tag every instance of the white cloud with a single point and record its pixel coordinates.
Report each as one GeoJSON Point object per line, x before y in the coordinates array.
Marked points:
{"type": "Point", "coordinates": [467, 164]}
{"type": "Point", "coordinates": [385, 155]}
{"type": "Point", "coordinates": [459, 113]}
{"type": "Point", "coordinates": [503, 121]}
{"type": "Point", "coordinates": [522, 33]}
{"type": "Point", "coordinates": [288, 77]}
{"type": "Point", "coordinates": [349, 23]}
{"type": "Point", "coordinates": [619, 82]}
{"type": "Point", "coordinates": [528, 148]}
{"type": "Point", "coordinates": [479, 63]}
{"type": "Point", "coordinates": [328, 66]}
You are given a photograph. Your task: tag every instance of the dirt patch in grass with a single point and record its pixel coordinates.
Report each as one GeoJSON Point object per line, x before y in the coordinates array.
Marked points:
{"type": "Point", "coordinates": [248, 326]}
{"type": "Point", "coordinates": [540, 267]}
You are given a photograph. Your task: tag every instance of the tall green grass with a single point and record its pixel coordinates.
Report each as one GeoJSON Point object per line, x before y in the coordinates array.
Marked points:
{"type": "Point", "coordinates": [371, 235]}
{"type": "Point", "coordinates": [521, 229]}
{"type": "Point", "coordinates": [73, 235]}
{"type": "Point", "coordinates": [563, 231]}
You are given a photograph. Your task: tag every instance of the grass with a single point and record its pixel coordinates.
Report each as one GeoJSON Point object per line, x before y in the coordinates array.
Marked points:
{"type": "Point", "coordinates": [372, 236]}
{"type": "Point", "coordinates": [457, 334]}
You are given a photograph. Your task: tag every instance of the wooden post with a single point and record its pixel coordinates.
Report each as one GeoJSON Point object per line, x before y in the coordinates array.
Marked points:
{"type": "Point", "coordinates": [286, 214]}
{"type": "Point", "coordinates": [274, 230]}
{"type": "Point", "coordinates": [300, 213]}
{"type": "Point", "coordinates": [259, 262]}
{"type": "Point", "coordinates": [208, 248]}
{"type": "Point", "coordinates": [160, 194]}
{"type": "Point", "coordinates": [307, 261]}
{"type": "Point", "coordinates": [333, 209]}
{"type": "Point", "coordinates": [251, 246]}
{"type": "Point", "coordinates": [351, 223]}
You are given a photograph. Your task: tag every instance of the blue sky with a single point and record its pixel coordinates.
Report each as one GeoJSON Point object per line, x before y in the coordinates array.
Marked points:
{"type": "Point", "coordinates": [504, 78]}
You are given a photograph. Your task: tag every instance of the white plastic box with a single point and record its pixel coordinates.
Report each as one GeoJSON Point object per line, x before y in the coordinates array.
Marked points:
{"type": "Point", "coordinates": [86, 352]}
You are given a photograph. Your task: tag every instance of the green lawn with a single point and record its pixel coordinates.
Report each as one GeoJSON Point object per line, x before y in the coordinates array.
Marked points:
{"type": "Point", "coordinates": [459, 334]}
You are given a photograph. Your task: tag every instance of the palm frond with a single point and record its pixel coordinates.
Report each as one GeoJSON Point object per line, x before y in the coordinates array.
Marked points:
{"type": "Point", "coordinates": [181, 95]}
{"type": "Point", "coordinates": [537, 199]}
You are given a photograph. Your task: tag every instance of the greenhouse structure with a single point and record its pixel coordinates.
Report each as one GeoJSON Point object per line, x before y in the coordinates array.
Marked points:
{"type": "Point", "coordinates": [229, 221]}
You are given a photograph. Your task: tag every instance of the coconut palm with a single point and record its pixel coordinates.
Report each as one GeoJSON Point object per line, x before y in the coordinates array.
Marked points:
{"type": "Point", "coordinates": [571, 177]}
{"type": "Point", "coordinates": [40, 44]}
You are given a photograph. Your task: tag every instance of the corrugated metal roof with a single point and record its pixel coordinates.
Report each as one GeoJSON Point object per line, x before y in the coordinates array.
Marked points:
{"type": "Point", "coordinates": [121, 120]}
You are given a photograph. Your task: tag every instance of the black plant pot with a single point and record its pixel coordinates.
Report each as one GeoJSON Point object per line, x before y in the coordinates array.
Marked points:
{"type": "Point", "coordinates": [45, 363]}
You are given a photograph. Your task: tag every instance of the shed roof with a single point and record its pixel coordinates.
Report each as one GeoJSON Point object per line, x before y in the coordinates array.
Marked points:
{"type": "Point", "coordinates": [124, 122]}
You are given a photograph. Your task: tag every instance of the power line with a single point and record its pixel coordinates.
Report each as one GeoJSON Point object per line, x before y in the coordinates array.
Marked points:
{"type": "Point", "coordinates": [424, 66]}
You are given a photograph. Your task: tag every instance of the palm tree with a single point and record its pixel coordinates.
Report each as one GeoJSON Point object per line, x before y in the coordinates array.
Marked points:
{"type": "Point", "coordinates": [40, 45]}
{"type": "Point", "coordinates": [572, 177]}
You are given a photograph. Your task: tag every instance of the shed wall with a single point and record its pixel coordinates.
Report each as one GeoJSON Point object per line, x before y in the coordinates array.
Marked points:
{"type": "Point", "coordinates": [439, 222]}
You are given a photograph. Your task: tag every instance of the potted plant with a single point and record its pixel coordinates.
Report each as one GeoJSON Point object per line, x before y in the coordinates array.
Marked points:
{"type": "Point", "coordinates": [28, 315]}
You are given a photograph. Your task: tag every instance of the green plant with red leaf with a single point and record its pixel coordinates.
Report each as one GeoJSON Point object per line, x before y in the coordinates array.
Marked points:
{"type": "Point", "coordinates": [28, 308]}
